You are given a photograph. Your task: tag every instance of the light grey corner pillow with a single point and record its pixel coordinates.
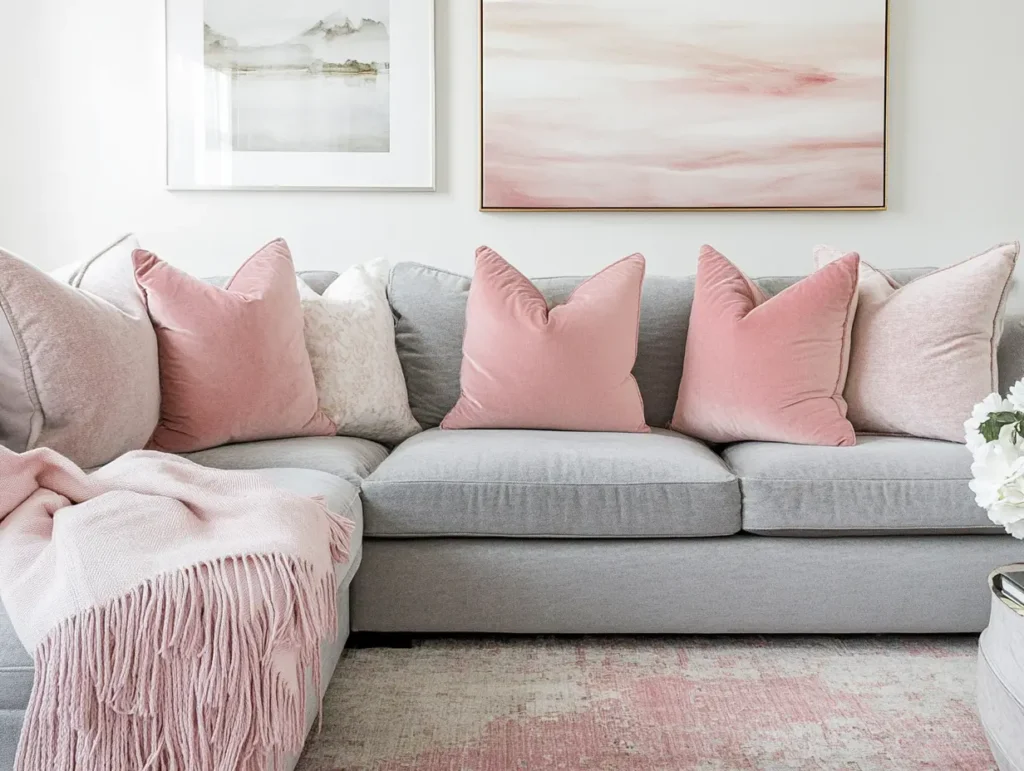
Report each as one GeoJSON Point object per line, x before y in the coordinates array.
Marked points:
{"type": "Point", "coordinates": [79, 371]}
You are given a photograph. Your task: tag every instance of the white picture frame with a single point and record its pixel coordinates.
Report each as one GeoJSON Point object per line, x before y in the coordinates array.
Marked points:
{"type": "Point", "coordinates": [222, 136]}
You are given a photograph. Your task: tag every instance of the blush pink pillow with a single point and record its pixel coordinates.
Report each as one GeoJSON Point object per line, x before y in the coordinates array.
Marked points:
{"type": "Point", "coordinates": [233, 361]}
{"type": "Point", "coordinates": [768, 369]}
{"type": "Point", "coordinates": [566, 368]}
{"type": "Point", "coordinates": [925, 353]}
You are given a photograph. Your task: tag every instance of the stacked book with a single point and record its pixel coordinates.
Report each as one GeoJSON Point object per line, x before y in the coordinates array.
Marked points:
{"type": "Point", "coordinates": [1009, 585]}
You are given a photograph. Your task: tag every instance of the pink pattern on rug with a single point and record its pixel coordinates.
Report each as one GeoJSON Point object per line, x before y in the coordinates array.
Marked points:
{"type": "Point", "coordinates": [654, 703]}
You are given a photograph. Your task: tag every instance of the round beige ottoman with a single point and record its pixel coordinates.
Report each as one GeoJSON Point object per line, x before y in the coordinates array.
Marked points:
{"type": "Point", "coordinates": [1001, 684]}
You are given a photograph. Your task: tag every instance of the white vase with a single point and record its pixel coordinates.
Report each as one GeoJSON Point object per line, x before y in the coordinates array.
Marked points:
{"type": "Point", "coordinates": [1001, 685]}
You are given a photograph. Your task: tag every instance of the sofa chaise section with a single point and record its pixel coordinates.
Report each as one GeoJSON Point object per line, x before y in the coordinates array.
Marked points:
{"type": "Point", "coordinates": [16, 667]}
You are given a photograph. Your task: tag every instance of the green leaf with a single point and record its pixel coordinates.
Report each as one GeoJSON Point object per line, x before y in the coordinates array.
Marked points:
{"type": "Point", "coordinates": [1006, 417]}
{"type": "Point", "coordinates": [990, 428]}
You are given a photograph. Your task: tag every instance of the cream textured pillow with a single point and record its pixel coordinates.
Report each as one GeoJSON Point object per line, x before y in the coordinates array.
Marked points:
{"type": "Point", "coordinates": [78, 358]}
{"type": "Point", "coordinates": [350, 337]}
{"type": "Point", "coordinates": [925, 353]}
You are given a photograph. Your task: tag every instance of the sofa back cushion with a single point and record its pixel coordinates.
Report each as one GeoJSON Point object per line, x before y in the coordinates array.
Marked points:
{"type": "Point", "coordinates": [430, 319]}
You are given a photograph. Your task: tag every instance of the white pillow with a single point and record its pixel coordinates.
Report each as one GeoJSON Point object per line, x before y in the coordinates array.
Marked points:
{"type": "Point", "coordinates": [350, 336]}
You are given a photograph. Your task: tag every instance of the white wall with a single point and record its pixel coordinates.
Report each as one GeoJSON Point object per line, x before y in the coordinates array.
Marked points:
{"type": "Point", "coordinates": [82, 160]}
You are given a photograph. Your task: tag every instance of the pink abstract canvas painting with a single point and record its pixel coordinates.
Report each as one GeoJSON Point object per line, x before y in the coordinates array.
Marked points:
{"type": "Point", "coordinates": [648, 104]}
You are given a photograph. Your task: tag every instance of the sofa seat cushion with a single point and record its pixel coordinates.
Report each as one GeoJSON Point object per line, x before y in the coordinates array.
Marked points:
{"type": "Point", "coordinates": [344, 456]}
{"type": "Point", "coordinates": [15, 663]}
{"type": "Point", "coordinates": [542, 484]}
{"type": "Point", "coordinates": [883, 485]}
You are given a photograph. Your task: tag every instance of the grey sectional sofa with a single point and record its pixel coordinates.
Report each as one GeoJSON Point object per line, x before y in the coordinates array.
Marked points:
{"type": "Point", "coordinates": [555, 532]}
{"type": "Point", "coordinates": [534, 531]}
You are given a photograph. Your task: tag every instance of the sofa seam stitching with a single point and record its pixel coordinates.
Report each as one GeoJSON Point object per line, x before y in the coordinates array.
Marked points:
{"type": "Point", "coordinates": [957, 481]}
{"type": "Point", "coordinates": [999, 317]}
{"type": "Point", "coordinates": [552, 536]}
{"type": "Point", "coordinates": [543, 484]}
{"type": "Point", "coordinates": [26, 369]}
{"type": "Point", "coordinates": [881, 529]}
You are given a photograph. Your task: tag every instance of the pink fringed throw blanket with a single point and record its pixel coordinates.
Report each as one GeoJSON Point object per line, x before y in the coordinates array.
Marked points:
{"type": "Point", "coordinates": [171, 611]}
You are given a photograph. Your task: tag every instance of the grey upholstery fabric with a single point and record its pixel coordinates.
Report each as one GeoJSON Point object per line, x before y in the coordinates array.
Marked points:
{"type": "Point", "coordinates": [317, 280]}
{"type": "Point", "coordinates": [16, 666]}
{"type": "Point", "coordinates": [884, 485]}
{"type": "Point", "coordinates": [337, 493]}
{"type": "Point", "coordinates": [743, 584]}
{"type": "Point", "coordinates": [429, 306]}
{"type": "Point", "coordinates": [344, 456]}
{"type": "Point", "coordinates": [430, 320]}
{"type": "Point", "coordinates": [537, 484]}
{"type": "Point", "coordinates": [10, 730]}
{"type": "Point", "coordinates": [1011, 346]}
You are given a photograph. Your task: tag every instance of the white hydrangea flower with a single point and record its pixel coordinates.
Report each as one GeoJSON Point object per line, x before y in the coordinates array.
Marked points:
{"type": "Point", "coordinates": [998, 483]}
{"type": "Point", "coordinates": [984, 408]}
{"type": "Point", "coordinates": [991, 467]}
{"type": "Point", "coordinates": [1016, 396]}
{"type": "Point", "coordinates": [975, 441]}
{"type": "Point", "coordinates": [1009, 516]}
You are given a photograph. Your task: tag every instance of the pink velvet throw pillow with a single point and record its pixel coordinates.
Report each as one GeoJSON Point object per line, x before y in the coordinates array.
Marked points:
{"type": "Point", "coordinates": [233, 361]}
{"type": "Point", "coordinates": [565, 368]}
{"type": "Point", "coordinates": [768, 369]}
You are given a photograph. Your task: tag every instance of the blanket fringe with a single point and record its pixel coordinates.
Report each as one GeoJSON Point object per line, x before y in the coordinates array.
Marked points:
{"type": "Point", "coordinates": [203, 669]}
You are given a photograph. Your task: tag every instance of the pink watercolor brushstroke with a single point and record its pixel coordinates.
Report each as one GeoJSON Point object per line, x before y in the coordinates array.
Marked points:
{"type": "Point", "coordinates": [588, 108]}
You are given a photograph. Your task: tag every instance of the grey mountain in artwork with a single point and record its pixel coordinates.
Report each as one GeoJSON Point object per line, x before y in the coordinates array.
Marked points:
{"type": "Point", "coordinates": [331, 29]}
{"type": "Point", "coordinates": [336, 44]}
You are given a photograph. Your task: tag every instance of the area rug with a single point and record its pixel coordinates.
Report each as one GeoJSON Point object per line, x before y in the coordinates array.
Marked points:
{"type": "Point", "coordinates": [650, 704]}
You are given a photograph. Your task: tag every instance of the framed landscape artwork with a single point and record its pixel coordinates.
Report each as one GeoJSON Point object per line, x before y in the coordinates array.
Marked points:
{"type": "Point", "coordinates": [683, 104]}
{"type": "Point", "coordinates": [270, 94]}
